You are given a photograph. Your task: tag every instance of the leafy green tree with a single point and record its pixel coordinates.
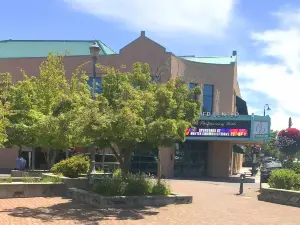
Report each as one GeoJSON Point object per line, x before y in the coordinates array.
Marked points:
{"type": "Point", "coordinates": [5, 84]}
{"type": "Point", "coordinates": [270, 148]}
{"type": "Point", "coordinates": [144, 113]}
{"type": "Point", "coordinates": [45, 107]}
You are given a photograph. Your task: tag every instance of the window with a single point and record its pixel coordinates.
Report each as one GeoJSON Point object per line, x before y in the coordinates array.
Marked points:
{"type": "Point", "coordinates": [208, 97]}
{"type": "Point", "coordinates": [98, 84]}
{"type": "Point", "coordinates": [192, 85]}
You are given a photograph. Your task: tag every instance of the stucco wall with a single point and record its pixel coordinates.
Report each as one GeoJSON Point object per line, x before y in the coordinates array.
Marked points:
{"type": "Point", "coordinates": [8, 158]}
{"type": "Point", "coordinates": [219, 159]}
{"type": "Point", "coordinates": [167, 161]}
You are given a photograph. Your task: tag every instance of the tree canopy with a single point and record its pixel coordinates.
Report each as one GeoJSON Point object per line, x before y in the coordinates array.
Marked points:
{"type": "Point", "coordinates": [131, 113]}
{"type": "Point", "coordinates": [270, 148]}
{"type": "Point", "coordinates": [44, 106]}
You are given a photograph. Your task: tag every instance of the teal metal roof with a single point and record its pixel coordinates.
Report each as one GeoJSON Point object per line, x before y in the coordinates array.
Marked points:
{"type": "Point", "coordinates": [212, 60]}
{"type": "Point", "coordinates": [41, 48]}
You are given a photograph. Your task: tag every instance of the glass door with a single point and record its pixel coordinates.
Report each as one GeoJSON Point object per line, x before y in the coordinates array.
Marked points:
{"type": "Point", "coordinates": [190, 163]}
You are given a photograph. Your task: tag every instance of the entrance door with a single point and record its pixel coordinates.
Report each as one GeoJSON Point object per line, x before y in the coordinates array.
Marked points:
{"type": "Point", "coordinates": [191, 160]}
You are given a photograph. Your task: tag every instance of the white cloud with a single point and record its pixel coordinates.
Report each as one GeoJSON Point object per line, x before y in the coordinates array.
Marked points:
{"type": "Point", "coordinates": [171, 17]}
{"type": "Point", "coordinates": [280, 80]}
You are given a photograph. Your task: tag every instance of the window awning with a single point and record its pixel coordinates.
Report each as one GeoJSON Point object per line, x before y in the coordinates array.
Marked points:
{"type": "Point", "coordinates": [238, 149]}
{"type": "Point", "coordinates": [241, 106]}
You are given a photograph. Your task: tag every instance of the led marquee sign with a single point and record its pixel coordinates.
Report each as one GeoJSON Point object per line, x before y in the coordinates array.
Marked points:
{"type": "Point", "coordinates": [220, 128]}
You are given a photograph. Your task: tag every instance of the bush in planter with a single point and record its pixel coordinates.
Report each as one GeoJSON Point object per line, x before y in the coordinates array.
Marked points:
{"type": "Point", "coordinates": [109, 187]}
{"type": "Point", "coordinates": [284, 179]}
{"type": "Point", "coordinates": [72, 167]}
{"type": "Point", "coordinates": [138, 184]}
{"type": "Point", "coordinates": [295, 166]}
{"type": "Point", "coordinates": [161, 189]}
{"type": "Point", "coordinates": [131, 185]}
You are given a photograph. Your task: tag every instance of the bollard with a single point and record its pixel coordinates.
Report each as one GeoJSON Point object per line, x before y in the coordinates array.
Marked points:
{"type": "Point", "coordinates": [243, 176]}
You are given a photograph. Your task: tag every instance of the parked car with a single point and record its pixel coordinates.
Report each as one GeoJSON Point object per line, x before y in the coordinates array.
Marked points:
{"type": "Point", "coordinates": [144, 164]}
{"type": "Point", "coordinates": [110, 162]}
{"type": "Point", "coordinates": [267, 169]}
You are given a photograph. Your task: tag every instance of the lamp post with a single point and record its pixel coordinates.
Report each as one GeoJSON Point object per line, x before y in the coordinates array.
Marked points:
{"type": "Point", "coordinates": [266, 107]}
{"type": "Point", "coordinates": [94, 50]}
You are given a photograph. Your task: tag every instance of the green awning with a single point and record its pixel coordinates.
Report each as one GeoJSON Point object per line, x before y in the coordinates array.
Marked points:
{"type": "Point", "coordinates": [238, 149]}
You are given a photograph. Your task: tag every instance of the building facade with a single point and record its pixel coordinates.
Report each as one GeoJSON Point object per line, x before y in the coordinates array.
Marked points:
{"type": "Point", "coordinates": [201, 155]}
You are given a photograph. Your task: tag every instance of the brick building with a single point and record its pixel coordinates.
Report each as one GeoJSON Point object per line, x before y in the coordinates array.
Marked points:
{"type": "Point", "coordinates": [203, 154]}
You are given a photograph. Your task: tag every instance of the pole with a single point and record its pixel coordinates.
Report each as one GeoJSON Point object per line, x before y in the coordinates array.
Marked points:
{"type": "Point", "coordinates": [92, 147]}
{"type": "Point", "coordinates": [242, 183]}
{"type": "Point", "coordinates": [264, 110]}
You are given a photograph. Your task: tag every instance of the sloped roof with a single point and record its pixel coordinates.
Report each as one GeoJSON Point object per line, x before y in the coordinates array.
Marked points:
{"type": "Point", "coordinates": [41, 48]}
{"type": "Point", "coordinates": [223, 60]}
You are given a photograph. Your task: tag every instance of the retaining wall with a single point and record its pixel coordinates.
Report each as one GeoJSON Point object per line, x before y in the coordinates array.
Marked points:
{"type": "Point", "coordinates": [19, 190]}
{"type": "Point", "coordinates": [126, 201]}
{"type": "Point", "coordinates": [279, 196]}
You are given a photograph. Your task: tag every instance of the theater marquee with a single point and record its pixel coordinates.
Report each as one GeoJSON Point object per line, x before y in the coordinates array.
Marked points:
{"type": "Point", "coordinates": [220, 128]}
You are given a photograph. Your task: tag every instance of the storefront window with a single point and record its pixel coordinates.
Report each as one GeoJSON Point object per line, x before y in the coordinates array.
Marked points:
{"type": "Point", "coordinates": [192, 85]}
{"type": "Point", "coordinates": [98, 84]}
{"type": "Point", "coordinates": [208, 97]}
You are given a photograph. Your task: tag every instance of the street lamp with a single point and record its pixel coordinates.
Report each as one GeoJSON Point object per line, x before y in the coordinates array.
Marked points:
{"type": "Point", "coordinates": [94, 50]}
{"type": "Point", "coordinates": [266, 107]}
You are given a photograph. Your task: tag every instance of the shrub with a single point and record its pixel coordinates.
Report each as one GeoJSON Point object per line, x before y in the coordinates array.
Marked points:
{"type": "Point", "coordinates": [284, 179]}
{"type": "Point", "coordinates": [138, 184]}
{"type": "Point", "coordinates": [117, 173]}
{"type": "Point", "coordinates": [72, 167]}
{"type": "Point", "coordinates": [161, 189]}
{"type": "Point", "coordinates": [48, 179]}
{"type": "Point", "coordinates": [109, 187]}
{"type": "Point", "coordinates": [132, 184]}
{"type": "Point", "coordinates": [6, 180]}
{"type": "Point", "coordinates": [292, 166]}
{"type": "Point", "coordinates": [27, 179]}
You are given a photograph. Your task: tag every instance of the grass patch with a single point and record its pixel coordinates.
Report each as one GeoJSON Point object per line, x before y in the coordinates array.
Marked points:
{"type": "Point", "coordinates": [47, 179]}
{"type": "Point", "coordinates": [6, 180]}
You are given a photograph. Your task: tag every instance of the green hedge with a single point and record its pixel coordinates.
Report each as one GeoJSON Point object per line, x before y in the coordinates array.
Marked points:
{"type": "Point", "coordinates": [131, 185]}
{"type": "Point", "coordinates": [292, 166]}
{"type": "Point", "coordinates": [284, 179]}
{"type": "Point", "coordinates": [72, 167]}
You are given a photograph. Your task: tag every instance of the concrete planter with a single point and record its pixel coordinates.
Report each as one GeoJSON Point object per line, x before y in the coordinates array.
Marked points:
{"type": "Point", "coordinates": [80, 182]}
{"type": "Point", "coordinates": [279, 196]}
{"type": "Point", "coordinates": [28, 173]}
{"type": "Point", "coordinates": [26, 190]}
{"type": "Point", "coordinates": [126, 201]}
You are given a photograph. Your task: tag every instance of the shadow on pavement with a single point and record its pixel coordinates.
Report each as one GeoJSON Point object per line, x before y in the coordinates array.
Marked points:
{"type": "Point", "coordinates": [77, 211]}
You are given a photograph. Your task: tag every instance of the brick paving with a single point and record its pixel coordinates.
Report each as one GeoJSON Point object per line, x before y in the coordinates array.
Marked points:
{"type": "Point", "coordinates": [214, 204]}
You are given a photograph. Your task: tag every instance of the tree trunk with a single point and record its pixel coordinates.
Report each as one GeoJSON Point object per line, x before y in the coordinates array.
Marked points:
{"type": "Point", "coordinates": [126, 161]}
{"type": "Point", "coordinates": [103, 159]}
{"type": "Point", "coordinates": [53, 158]}
{"type": "Point", "coordinates": [33, 159]}
{"type": "Point", "coordinates": [93, 155]}
{"type": "Point", "coordinates": [159, 167]}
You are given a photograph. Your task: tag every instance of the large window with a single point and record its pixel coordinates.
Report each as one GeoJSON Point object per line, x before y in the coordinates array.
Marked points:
{"type": "Point", "coordinates": [98, 84]}
{"type": "Point", "coordinates": [208, 97]}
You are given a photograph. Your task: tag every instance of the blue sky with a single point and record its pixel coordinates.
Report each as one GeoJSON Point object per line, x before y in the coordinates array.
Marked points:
{"type": "Point", "coordinates": [266, 35]}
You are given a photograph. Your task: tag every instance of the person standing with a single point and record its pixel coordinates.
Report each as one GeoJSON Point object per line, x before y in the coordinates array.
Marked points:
{"type": "Point", "coordinates": [20, 163]}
